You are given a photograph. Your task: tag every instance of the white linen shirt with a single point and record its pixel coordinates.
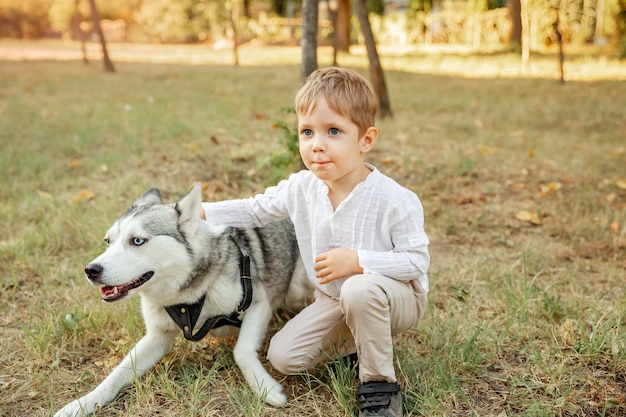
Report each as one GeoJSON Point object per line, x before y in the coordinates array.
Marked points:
{"type": "Point", "coordinates": [381, 220]}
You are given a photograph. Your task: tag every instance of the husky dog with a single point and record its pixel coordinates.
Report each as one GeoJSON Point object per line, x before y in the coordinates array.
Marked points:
{"type": "Point", "coordinates": [194, 277]}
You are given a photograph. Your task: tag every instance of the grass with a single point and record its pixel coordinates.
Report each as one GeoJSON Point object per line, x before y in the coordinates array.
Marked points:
{"type": "Point", "coordinates": [526, 314]}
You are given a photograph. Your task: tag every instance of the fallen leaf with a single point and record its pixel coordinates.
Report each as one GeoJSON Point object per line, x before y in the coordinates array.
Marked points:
{"type": "Point", "coordinates": [193, 147]}
{"type": "Point", "coordinates": [551, 187]}
{"type": "Point", "coordinates": [569, 332]}
{"type": "Point", "coordinates": [528, 216]}
{"type": "Point", "coordinates": [551, 162]}
{"type": "Point", "coordinates": [614, 226]}
{"type": "Point", "coordinates": [83, 195]}
{"type": "Point", "coordinates": [44, 195]}
{"type": "Point", "coordinates": [621, 184]}
{"type": "Point", "coordinates": [74, 163]}
{"type": "Point", "coordinates": [487, 150]}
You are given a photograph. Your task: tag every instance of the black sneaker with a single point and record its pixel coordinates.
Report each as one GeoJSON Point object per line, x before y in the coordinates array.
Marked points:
{"type": "Point", "coordinates": [379, 398]}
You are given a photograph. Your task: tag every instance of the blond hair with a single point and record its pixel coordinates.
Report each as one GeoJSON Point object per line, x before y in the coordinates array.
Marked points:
{"type": "Point", "coordinates": [346, 92]}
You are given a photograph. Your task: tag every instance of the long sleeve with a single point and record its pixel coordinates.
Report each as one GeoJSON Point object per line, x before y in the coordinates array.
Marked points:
{"type": "Point", "coordinates": [381, 220]}
{"type": "Point", "coordinates": [402, 233]}
{"type": "Point", "coordinates": [403, 266]}
{"type": "Point", "coordinates": [250, 212]}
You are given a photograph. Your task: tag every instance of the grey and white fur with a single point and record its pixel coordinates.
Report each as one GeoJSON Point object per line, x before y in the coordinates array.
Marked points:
{"type": "Point", "coordinates": [168, 255]}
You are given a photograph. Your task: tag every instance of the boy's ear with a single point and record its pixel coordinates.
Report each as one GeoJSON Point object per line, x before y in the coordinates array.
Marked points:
{"type": "Point", "coordinates": [368, 140]}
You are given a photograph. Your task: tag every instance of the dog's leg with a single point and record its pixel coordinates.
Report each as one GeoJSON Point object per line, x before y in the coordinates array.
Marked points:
{"type": "Point", "coordinates": [246, 354]}
{"type": "Point", "coordinates": [146, 353]}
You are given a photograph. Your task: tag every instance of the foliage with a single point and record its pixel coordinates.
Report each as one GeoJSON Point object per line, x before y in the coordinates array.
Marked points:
{"type": "Point", "coordinates": [480, 23]}
{"type": "Point", "coordinates": [180, 21]}
{"type": "Point", "coordinates": [286, 158]}
{"type": "Point", "coordinates": [375, 6]}
{"type": "Point", "coordinates": [448, 26]}
{"type": "Point", "coordinates": [23, 19]}
{"type": "Point", "coordinates": [62, 13]}
{"type": "Point", "coordinates": [621, 28]}
{"type": "Point", "coordinates": [419, 6]}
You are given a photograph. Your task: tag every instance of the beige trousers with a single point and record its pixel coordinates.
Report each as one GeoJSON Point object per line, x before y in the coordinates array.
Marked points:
{"type": "Point", "coordinates": [370, 310]}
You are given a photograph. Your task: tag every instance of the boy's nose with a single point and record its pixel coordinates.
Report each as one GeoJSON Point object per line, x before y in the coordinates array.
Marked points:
{"type": "Point", "coordinates": [318, 145]}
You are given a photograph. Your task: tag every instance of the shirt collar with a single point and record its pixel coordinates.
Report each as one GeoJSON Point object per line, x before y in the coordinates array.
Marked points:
{"type": "Point", "coordinates": [367, 182]}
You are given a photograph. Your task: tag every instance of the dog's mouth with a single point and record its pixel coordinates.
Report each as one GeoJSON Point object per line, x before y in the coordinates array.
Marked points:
{"type": "Point", "coordinates": [114, 293]}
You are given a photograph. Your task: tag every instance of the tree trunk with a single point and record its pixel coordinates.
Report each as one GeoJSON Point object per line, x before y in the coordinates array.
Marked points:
{"type": "Point", "coordinates": [341, 34]}
{"type": "Point", "coordinates": [559, 39]}
{"type": "Point", "coordinates": [308, 42]}
{"type": "Point", "coordinates": [291, 14]}
{"type": "Point", "coordinates": [376, 70]}
{"type": "Point", "coordinates": [108, 65]}
{"type": "Point", "coordinates": [598, 38]}
{"type": "Point", "coordinates": [234, 18]}
{"type": "Point", "coordinates": [80, 32]}
{"type": "Point", "coordinates": [525, 33]}
{"type": "Point", "coordinates": [515, 34]}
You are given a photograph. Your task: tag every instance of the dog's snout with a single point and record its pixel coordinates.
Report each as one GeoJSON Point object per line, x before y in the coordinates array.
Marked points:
{"type": "Point", "coordinates": [93, 271]}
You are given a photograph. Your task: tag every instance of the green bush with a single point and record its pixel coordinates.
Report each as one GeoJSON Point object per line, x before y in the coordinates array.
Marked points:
{"type": "Point", "coordinates": [286, 159]}
{"type": "Point", "coordinates": [23, 19]}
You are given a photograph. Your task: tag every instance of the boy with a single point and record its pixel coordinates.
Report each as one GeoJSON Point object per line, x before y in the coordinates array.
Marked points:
{"type": "Point", "coordinates": [361, 238]}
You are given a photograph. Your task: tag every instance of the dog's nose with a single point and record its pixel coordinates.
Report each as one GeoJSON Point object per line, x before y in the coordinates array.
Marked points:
{"type": "Point", "coordinates": [93, 271]}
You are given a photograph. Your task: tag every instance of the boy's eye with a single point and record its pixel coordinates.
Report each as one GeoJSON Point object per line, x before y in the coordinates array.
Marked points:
{"type": "Point", "coordinates": [334, 131]}
{"type": "Point", "coordinates": [307, 132]}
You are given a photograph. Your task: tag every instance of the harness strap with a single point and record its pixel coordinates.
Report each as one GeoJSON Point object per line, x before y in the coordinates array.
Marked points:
{"type": "Point", "coordinates": [186, 315]}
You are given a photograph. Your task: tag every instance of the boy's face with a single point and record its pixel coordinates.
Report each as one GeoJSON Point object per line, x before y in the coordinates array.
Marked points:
{"type": "Point", "coordinates": [331, 147]}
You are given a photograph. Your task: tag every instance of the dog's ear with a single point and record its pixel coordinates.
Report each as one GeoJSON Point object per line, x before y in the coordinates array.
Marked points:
{"type": "Point", "coordinates": [189, 209]}
{"type": "Point", "coordinates": [149, 198]}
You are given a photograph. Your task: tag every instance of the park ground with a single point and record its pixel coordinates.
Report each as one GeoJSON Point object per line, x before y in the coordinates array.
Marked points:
{"type": "Point", "coordinates": [522, 179]}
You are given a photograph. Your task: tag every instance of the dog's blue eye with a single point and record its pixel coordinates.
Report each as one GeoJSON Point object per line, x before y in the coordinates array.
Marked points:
{"type": "Point", "coordinates": [137, 241]}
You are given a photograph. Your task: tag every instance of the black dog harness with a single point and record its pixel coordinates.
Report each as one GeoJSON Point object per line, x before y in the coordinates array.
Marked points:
{"type": "Point", "coordinates": [186, 315]}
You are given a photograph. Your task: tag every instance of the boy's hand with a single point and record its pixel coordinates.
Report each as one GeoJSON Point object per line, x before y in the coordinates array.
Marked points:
{"type": "Point", "coordinates": [337, 263]}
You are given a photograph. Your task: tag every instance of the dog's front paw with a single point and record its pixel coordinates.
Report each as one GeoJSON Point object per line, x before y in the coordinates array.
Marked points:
{"type": "Point", "coordinates": [77, 408]}
{"type": "Point", "coordinates": [275, 397]}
